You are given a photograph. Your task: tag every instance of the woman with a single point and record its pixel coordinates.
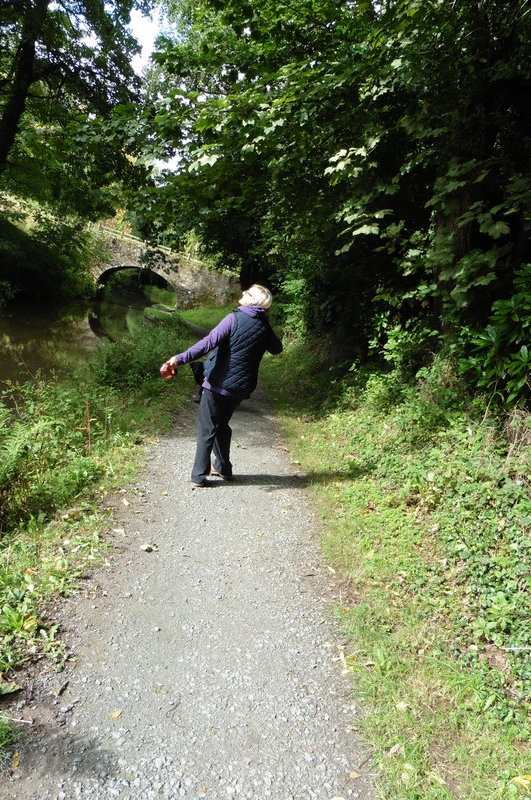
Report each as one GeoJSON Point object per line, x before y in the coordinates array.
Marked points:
{"type": "Point", "coordinates": [236, 346]}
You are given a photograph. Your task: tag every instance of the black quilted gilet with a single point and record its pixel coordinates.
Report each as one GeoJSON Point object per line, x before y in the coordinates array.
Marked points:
{"type": "Point", "coordinates": [233, 365]}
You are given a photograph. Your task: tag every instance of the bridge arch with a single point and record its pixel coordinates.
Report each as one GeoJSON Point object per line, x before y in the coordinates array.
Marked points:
{"type": "Point", "coordinates": [146, 272]}
{"type": "Point", "coordinates": [189, 277]}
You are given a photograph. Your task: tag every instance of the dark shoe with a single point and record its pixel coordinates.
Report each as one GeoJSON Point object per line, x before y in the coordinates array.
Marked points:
{"type": "Point", "coordinates": [223, 477]}
{"type": "Point", "coordinates": [200, 485]}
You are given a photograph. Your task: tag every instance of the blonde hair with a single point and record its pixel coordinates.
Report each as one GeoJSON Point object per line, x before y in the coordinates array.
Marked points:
{"type": "Point", "coordinates": [257, 295]}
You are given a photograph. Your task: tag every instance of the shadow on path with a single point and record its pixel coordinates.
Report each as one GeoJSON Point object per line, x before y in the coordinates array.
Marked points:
{"type": "Point", "coordinates": [48, 753]}
{"type": "Point", "coordinates": [272, 482]}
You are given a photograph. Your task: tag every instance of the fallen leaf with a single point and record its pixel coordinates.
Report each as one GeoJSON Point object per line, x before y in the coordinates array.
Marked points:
{"type": "Point", "coordinates": [9, 688]}
{"type": "Point", "coordinates": [354, 775]}
{"type": "Point", "coordinates": [115, 715]}
{"type": "Point", "coordinates": [396, 748]}
{"type": "Point", "coordinates": [15, 761]}
{"type": "Point", "coordinates": [524, 781]}
{"type": "Point", "coordinates": [125, 502]}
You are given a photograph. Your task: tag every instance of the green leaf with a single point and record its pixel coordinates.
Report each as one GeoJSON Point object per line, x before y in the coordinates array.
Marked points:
{"type": "Point", "coordinates": [9, 688]}
{"type": "Point", "coordinates": [498, 229]}
{"type": "Point", "coordinates": [365, 230]}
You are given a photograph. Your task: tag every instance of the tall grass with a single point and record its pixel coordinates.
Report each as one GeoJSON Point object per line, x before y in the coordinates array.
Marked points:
{"type": "Point", "coordinates": [55, 437]}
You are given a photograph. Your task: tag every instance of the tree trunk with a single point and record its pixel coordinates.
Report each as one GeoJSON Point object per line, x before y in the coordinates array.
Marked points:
{"type": "Point", "coordinates": [22, 72]}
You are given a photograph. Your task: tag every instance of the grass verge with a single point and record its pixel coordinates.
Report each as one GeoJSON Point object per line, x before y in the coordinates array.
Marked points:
{"type": "Point", "coordinates": [207, 316]}
{"type": "Point", "coordinates": [424, 506]}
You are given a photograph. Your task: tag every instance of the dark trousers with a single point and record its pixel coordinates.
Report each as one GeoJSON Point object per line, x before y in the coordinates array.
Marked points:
{"type": "Point", "coordinates": [213, 434]}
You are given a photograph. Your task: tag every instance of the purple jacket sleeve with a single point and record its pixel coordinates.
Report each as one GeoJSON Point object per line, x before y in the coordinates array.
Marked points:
{"type": "Point", "coordinates": [209, 342]}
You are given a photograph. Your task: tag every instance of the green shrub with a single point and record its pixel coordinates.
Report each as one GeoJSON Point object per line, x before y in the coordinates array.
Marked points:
{"type": "Point", "coordinates": [500, 356]}
{"type": "Point", "coordinates": [8, 734]}
{"type": "Point", "coordinates": [48, 453]}
{"type": "Point", "coordinates": [51, 259]}
{"type": "Point", "coordinates": [133, 359]}
{"type": "Point", "coordinates": [54, 438]}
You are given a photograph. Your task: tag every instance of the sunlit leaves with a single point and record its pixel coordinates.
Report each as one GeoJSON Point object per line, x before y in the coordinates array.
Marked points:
{"type": "Point", "coordinates": [74, 71]}
{"type": "Point", "coordinates": [363, 150]}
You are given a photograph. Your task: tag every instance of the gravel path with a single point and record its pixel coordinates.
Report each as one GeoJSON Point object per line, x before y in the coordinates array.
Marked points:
{"type": "Point", "coordinates": [206, 666]}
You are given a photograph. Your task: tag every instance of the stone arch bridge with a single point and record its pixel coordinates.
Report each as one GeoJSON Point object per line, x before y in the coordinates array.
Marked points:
{"type": "Point", "coordinates": [190, 278]}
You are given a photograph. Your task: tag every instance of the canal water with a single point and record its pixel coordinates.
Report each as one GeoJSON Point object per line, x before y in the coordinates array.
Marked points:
{"type": "Point", "coordinates": [39, 337]}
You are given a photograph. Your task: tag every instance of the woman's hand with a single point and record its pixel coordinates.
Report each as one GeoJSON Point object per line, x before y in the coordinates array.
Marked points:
{"type": "Point", "coordinates": [169, 368]}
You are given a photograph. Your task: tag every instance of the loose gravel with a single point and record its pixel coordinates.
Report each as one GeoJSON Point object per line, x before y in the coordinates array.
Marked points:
{"type": "Point", "coordinates": [206, 664]}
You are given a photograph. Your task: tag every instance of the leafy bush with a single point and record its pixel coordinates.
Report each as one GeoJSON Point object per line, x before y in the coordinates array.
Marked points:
{"type": "Point", "coordinates": [407, 348]}
{"type": "Point", "coordinates": [500, 357]}
{"type": "Point", "coordinates": [49, 447]}
{"type": "Point", "coordinates": [133, 359]}
{"type": "Point", "coordinates": [8, 734]}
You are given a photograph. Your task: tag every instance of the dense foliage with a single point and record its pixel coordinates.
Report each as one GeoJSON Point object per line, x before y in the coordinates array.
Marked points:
{"type": "Point", "coordinates": [49, 259]}
{"type": "Point", "coordinates": [369, 159]}
{"type": "Point", "coordinates": [65, 67]}
{"type": "Point", "coordinates": [66, 80]}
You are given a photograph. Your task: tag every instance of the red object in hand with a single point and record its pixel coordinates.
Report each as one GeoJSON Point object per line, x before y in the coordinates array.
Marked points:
{"type": "Point", "coordinates": [167, 370]}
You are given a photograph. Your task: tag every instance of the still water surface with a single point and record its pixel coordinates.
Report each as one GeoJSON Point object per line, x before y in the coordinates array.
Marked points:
{"type": "Point", "coordinates": [36, 337]}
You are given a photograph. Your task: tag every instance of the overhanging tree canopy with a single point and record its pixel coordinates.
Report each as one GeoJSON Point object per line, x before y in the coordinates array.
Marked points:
{"type": "Point", "coordinates": [64, 66]}
{"type": "Point", "coordinates": [372, 159]}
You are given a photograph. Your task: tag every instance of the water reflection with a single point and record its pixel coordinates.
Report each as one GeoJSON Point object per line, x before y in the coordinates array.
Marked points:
{"type": "Point", "coordinates": [126, 299]}
{"type": "Point", "coordinates": [34, 337]}
{"type": "Point", "coordinates": [41, 338]}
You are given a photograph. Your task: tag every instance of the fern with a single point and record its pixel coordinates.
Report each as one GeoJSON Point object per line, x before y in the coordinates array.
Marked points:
{"type": "Point", "coordinates": [15, 444]}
